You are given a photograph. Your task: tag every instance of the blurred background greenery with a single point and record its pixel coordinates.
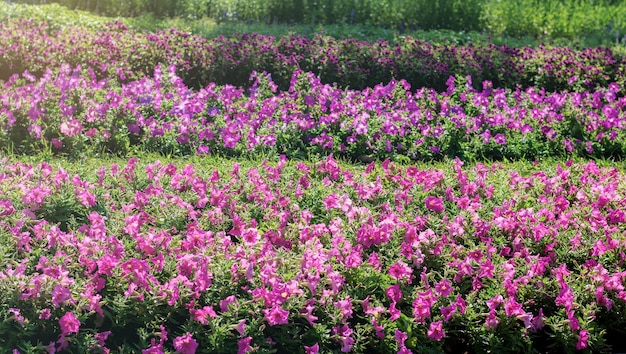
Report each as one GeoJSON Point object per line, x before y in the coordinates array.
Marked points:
{"type": "Point", "coordinates": [512, 22]}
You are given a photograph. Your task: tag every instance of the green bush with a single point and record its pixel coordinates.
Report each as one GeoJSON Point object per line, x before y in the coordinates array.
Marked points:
{"type": "Point", "coordinates": [517, 23]}
{"type": "Point", "coordinates": [555, 18]}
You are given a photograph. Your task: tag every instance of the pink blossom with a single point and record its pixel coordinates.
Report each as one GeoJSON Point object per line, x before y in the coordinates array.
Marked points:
{"type": "Point", "coordinates": [583, 337]}
{"type": "Point", "coordinates": [400, 337]}
{"type": "Point", "coordinates": [401, 271]}
{"type": "Point", "coordinates": [394, 293]}
{"type": "Point", "coordinates": [374, 261]}
{"type": "Point", "coordinates": [314, 349]}
{"type": "Point", "coordinates": [16, 315]}
{"type": "Point", "coordinates": [537, 321]}
{"type": "Point", "coordinates": [422, 305]}
{"type": "Point", "coordinates": [87, 199]}
{"type": "Point", "coordinates": [307, 312]}
{"type": "Point", "coordinates": [380, 330]}
{"type": "Point", "coordinates": [71, 128]}
{"type": "Point", "coordinates": [343, 336]}
{"type": "Point", "coordinates": [492, 319]}
{"type": "Point", "coordinates": [225, 303]}
{"type": "Point", "coordinates": [102, 337]}
{"type": "Point", "coordinates": [44, 314]}
{"type": "Point", "coordinates": [444, 287]}
{"type": "Point", "coordinates": [345, 306]}
{"type": "Point", "coordinates": [60, 295]}
{"type": "Point", "coordinates": [185, 344]}
{"type": "Point", "coordinates": [69, 324]}
{"type": "Point", "coordinates": [434, 204]}
{"type": "Point", "coordinates": [447, 312]}
{"type": "Point", "coordinates": [243, 345]}
{"type": "Point", "coordinates": [461, 305]}
{"type": "Point", "coordinates": [276, 316]}
{"type": "Point", "coordinates": [435, 331]}
{"type": "Point", "coordinates": [394, 312]}
{"type": "Point", "coordinates": [202, 315]}
{"type": "Point", "coordinates": [241, 327]}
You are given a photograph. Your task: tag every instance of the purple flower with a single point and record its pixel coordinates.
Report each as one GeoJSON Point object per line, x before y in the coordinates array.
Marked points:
{"type": "Point", "coordinates": [56, 143]}
{"type": "Point", "coordinates": [583, 337]}
{"type": "Point", "coordinates": [435, 331]}
{"type": "Point", "coordinates": [185, 344]}
{"type": "Point", "coordinates": [434, 204]}
{"type": "Point", "coordinates": [500, 139]}
{"type": "Point", "coordinates": [314, 349]}
{"type": "Point", "coordinates": [276, 316]}
{"type": "Point", "coordinates": [69, 324]}
{"type": "Point", "coordinates": [243, 345]}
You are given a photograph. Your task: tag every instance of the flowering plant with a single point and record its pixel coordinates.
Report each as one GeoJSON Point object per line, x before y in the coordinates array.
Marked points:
{"type": "Point", "coordinates": [310, 257]}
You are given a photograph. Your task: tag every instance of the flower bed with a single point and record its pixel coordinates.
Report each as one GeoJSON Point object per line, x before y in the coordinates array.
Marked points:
{"type": "Point", "coordinates": [117, 51]}
{"type": "Point", "coordinates": [308, 257]}
{"type": "Point", "coordinates": [74, 112]}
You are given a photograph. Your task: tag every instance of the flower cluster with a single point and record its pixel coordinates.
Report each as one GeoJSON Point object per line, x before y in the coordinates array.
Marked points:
{"type": "Point", "coordinates": [308, 257]}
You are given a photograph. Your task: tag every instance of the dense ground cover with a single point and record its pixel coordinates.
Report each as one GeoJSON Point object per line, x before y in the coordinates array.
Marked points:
{"type": "Point", "coordinates": [36, 47]}
{"type": "Point", "coordinates": [74, 112]}
{"type": "Point", "coordinates": [290, 255]}
{"type": "Point", "coordinates": [255, 212]}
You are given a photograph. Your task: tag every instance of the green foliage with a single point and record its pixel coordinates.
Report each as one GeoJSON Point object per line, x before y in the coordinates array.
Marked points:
{"type": "Point", "coordinates": [556, 18]}
{"type": "Point", "coordinates": [588, 22]}
{"type": "Point", "coordinates": [55, 15]}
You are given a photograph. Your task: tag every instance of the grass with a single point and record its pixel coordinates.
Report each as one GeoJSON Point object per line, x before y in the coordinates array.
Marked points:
{"type": "Point", "coordinates": [88, 165]}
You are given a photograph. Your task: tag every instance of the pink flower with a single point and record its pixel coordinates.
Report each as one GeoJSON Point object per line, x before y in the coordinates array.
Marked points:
{"type": "Point", "coordinates": [60, 294]}
{"type": "Point", "coordinates": [276, 316]}
{"type": "Point", "coordinates": [157, 348]}
{"type": "Point", "coordinates": [513, 308]}
{"type": "Point", "coordinates": [583, 337]}
{"type": "Point", "coordinates": [185, 344]}
{"type": "Point", "coordinates": [434, 204]}
{"type": "Point", "coordinates": [225, 304]}
{"type": "Point", "coordinates": [71, 128]}
{"type": "Point", "coordinates": [243, 346]}
{"type": "Point", "coordinates": [461, 305]}
{"type": "Point", "coordinates": [307, 312]}
{"type": "Point", "coordinates": [422, 304]}
{"type": "Point", "coordinates": [500, 139]}
{"type": "Point", "coordinates": [44, 314]}
{"type": "Point", "coordinates": [312, 349]}
{"type": "Point", "coordinates": [343, 334]}
{"type": "Point", "coordinates": [16, 315]}
{"type": "Point", "coordinates": [102, 337]}
{"type": "Point", "coordinates": [400, 337]}
{"type": "Point", "coordinates": [537, 321]}
{"type": "Point", "coordinates": [492, 319]}
{"type": "Point", "coordinates": [436, 331]}
{"type": "Point", "coordinates": [87, 199]}
{"type": "Point", "coordinates": [448, 312]}
{"type": "Point", "coordinates": [374, 261]}
{"type": "Point", "coordinates": [345, 306]}
{"type": "Point", "coordinates": [250, 236]}
{"type": "Point", "coordinates": [401, 271]}
{"type": "Point", "coordinates": [380, 330]}
{"type": "Point", "coordinates": [69, 324]}
{"type": "Point", "coordinates": [241, 327]}
{"type": "Point", "coordinates": [394, 312]}
{"type": "Point", "coordinates": [394, 293]}
{"type": "Point", "coordinates": [444, 287]}
{"type": "Point", "coordinates": [202, 315]}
